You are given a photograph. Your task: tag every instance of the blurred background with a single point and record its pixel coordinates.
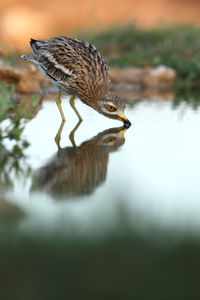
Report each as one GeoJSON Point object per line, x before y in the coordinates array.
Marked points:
{"type": "Point", "coordinates": [20, 20]}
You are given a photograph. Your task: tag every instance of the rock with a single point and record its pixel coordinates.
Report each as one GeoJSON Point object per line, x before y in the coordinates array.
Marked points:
{"type": "Point", "coordinates": [27, 77]}
{"type": "Point", "coordinates": [160, 77]}
{"type": "Point", "coordinates": [31, 80]}
{"type": "Point", "coordinates": [126, 75]}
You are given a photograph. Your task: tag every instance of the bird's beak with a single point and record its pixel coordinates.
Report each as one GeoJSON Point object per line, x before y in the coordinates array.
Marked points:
{"type": "Point", "coordinates": [124, 119]}
{"type": "Point", "coordinates": [122, 130]}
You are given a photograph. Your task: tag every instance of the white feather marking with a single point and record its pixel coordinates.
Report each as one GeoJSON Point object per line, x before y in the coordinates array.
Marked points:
{"type": "Point", "coordinates": [58, 66]}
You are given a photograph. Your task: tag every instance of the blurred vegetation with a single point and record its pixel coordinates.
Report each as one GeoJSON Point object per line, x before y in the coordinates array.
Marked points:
{"type": "Point", "coordinates": [12, 124]}
{"type": "Point", "coordinates": [10, 215]}
{"type": "Point", "coordinates": [15, 127]}
{"type": "Point", "coordinates": [176, 47]}
{"type": "Point", "coordinates": [11, 111]}
{"type": "Point", "coordinates": [117, 267]}
{"type": "Point", "coordinates": [11, 58]}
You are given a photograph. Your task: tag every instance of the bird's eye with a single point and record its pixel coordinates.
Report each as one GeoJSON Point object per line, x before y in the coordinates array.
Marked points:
{"type": "Point", "coordinates": [109, 140]}
{"type": "Point", "coordinates": [111, 108]}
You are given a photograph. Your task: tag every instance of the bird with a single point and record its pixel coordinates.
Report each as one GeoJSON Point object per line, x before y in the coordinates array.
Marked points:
{"type": "Point", "coordinates": [78, 69]}
{"type": "Point", "coordinates": [78, 171]}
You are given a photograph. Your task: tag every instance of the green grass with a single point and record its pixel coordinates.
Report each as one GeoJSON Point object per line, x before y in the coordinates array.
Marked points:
{"type": "Point", "coordinates": [176, 47]}
{"type": "Point", "coordinates": [15, 128]}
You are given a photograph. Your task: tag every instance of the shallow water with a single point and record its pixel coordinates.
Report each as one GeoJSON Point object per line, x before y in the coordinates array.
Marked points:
{"type": "Point", "coordinates": [152, 169]}
{"type": "Point", "coordinates": [113, 216]}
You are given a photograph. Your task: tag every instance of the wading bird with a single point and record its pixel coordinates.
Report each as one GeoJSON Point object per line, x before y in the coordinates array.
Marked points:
{"type": "Point", "coordinates": [77, 68]}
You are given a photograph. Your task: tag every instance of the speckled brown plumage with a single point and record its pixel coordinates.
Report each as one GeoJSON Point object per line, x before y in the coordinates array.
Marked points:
{"type": "Point", "coordinates": [88, 72]}
{"type": "Point", "coordinates": [76, 67]}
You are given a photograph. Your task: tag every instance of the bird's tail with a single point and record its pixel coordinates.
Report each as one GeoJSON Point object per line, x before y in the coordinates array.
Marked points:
{"type": "Point", "coordinates": [30, 57]}
{"type": "Point", "coordinates": [37, 44]}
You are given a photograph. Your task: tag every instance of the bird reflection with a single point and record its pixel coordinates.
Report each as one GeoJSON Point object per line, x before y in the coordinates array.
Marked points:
{"type": "Point", "coordinates": [78, 171]}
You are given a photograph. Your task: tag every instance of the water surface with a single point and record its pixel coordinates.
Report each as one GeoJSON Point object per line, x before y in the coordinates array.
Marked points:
{"type": "Point", "coordinates": [110, 214]}
{"type": "Point", "coordinates": [152, 170]}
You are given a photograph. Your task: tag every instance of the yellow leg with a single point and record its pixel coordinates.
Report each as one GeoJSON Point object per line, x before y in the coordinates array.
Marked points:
{"type": "Point", "coordinates": [71, 101]}
{"type": "Point", "coordinates": [58, 102]}
{"type": "Point", "coordinates": [57, 138]}
{"type": "Point", "coordinates": [71, 136]}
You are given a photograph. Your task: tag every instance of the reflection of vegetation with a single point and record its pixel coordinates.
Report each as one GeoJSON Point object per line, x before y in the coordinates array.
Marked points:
{"type": "Point", "coordinates": [10, 159]}
{"type": "Point", "coordinates": [10, 215]}
{"type": "Point", "coordinates": [188, 96]}
{"type": "Point", "coordinates": [177, 47]}
{"type": "Point", "coordinates": [126, 265]}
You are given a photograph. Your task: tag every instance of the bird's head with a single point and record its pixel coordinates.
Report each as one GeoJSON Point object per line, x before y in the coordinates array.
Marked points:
{"type": "Point", "coordinates": [113, 107]}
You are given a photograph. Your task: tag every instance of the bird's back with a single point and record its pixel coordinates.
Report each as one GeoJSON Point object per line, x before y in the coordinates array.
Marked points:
{"type": "Point", "coordinates": [73, 65]}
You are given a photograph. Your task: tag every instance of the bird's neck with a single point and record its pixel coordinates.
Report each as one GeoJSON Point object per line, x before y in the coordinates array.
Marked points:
{"type": "Point", "coordinates": [92, 100]}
